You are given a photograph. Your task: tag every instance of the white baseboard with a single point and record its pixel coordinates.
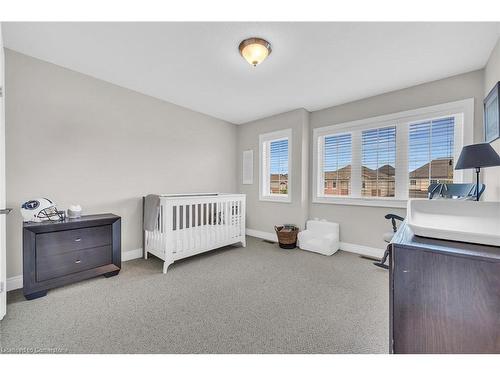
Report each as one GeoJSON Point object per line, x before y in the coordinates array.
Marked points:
{"type": "Point", "coordinates": [260, 234]}
{"type": "Point", "coordinates": [362, 250]}
{"type": "Point", "coordinates": [16, 282]}
{"type": "Point", "coordinates": [131, 254]}
{"type": "Point", "coordinates": [350, 247]}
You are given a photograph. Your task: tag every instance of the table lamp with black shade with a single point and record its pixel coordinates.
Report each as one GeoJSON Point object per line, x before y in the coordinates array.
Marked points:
{"type": "Point", "coordinates": [478, 156]}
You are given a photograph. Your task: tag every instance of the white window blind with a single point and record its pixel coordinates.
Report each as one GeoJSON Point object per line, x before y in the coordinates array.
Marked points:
{"type": "Point", "coordinates": [337, 158]}
{"type": "Point", "coordinates": [378, 165]}
{"type": "Point", "coordinates": [430, 154]}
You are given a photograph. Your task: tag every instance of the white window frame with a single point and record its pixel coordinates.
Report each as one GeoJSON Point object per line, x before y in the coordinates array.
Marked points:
{"type": "Point", "coordinates": [264, 191]}
{"type": "Point", "coordinates": [462, 111]}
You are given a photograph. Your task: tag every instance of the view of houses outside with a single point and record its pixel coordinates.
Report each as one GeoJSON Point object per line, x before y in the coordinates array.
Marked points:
{"type": "Point", "coordinates": [438, 171]}
{"type": "Point", "coordinates": [279, 183]}
{"type": "Point", "coordinates": [338, 182]}
{"type": "Point", "coordinates": [375, 183]}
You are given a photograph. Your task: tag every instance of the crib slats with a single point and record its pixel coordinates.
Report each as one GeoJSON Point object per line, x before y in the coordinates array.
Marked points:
{"type": "Point", "coordinates": [227, 223]}
{"type": "Point", "coordinates": [224, 224]}
{"type": "Point", "coordinates": [214, 222]}
{"type": "Point", "coordinates": [185, 232]}
{"type": "Point", "coordinates": [177, 228]}
{"type": "Point", "coordinates": [217, 222]}
{"type": "Point", "coordinates": [196, 228]}
{"type": "Point", "coordinates": [205, 225]}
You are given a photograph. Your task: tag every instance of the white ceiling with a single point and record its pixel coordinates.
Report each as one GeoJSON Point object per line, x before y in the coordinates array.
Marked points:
{"type": "Point", "coordinates": [313, 65]}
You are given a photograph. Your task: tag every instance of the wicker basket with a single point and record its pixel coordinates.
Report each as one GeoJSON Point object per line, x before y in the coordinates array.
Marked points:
{"type": "Point", "coordinates": [287, 236]}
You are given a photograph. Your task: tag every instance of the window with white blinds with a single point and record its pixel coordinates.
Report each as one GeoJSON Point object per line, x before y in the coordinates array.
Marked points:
{"type": "Point", "coordinates": [336, 172]}
{"type": "Point", "coordinates": [378, 165]}
{"type": "Point", "coordinates": [430, 154]}
{"type": "Point", "coordinates": [275, 155]}
{"type": "Point", "coordinates": [278, 167]}
{"type": "Point", "coordinates": [391, 157]}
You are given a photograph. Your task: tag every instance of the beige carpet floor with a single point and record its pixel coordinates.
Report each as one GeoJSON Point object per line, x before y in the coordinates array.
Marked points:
{"type": "Point", "coordinates": [258, 299]}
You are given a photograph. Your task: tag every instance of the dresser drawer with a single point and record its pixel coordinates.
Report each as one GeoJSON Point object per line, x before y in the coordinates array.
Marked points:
{"type": "Point", "coordinates": [52, 266]}
{"type": "Point", "coordinates": [72, 240]}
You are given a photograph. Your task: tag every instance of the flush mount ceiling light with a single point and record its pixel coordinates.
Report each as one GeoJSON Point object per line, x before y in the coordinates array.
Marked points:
{"type": "Point", "coordinates": [255, 50]}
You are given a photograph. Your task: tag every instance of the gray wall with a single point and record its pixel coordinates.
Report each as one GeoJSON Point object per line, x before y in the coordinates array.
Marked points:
{"type": "Point", "coordinates": [365, 225]}
{"type": "Point", "coordinates": [77, 139]}
{"type": "Point", "coordinates": [262, 215]}
{"type": "Point", "coordinates": [491, 77]}
{"type": "Point", "coordinates": [358, 224]}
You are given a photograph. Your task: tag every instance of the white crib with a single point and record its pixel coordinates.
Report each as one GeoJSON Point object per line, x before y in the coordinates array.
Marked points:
{"type": "Point", "coordinates": [191, 224]}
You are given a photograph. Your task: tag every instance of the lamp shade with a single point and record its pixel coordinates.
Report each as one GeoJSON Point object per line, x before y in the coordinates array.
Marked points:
{"type": "Point", "coordinates": [478, 156]}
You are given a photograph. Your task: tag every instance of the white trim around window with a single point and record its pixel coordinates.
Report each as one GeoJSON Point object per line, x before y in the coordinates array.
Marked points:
{"type": "Point", "coordinates": [463, 113]}
{"type": "Point", "coordinates": [264, 166]}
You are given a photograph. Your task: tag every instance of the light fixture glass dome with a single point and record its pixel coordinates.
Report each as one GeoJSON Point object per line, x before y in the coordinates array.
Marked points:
{"type": "Point", "coordinates": [255, 50]}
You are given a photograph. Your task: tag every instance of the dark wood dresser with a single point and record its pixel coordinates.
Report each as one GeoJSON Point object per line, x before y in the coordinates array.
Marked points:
{"type": "Point", "coordinates": [444, 296]}
{"type": "Point", "coordinates": [60, 253]}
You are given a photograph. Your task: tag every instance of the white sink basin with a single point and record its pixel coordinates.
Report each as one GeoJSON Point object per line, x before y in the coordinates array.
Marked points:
{"type": "Point", "coordinates": [455, 220]}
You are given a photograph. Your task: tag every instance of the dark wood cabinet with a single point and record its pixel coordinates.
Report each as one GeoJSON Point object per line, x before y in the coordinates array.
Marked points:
{"type": "Point", "coordinates": [444, 296]}
{"type": "Point", "coordinates": [59, 253]}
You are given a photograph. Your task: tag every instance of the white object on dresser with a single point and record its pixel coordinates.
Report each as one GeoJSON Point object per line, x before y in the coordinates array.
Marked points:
{"type": "Point", "coordinates": [74, 211]}
{"type": "Point", "coordinates": [321, 237]}
{"type": "Point", "coordinates": [455, 220]}
{"type": "Point", "coordinates": [190, 224]}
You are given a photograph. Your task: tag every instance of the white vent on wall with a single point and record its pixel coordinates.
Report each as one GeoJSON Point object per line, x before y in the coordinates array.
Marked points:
{"type": "Point", "coordinates": [247, 167]}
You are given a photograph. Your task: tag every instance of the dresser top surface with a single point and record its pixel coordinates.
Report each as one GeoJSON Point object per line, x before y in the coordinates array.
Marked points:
{"type": "Point", "coordinates": [86, 220]}
{"type": "Point", "coordinates": [406, 238]}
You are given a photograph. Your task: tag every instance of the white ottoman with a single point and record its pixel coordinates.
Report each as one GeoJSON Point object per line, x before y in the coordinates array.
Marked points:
{"type": "Point", "coordinates": [320, 236]}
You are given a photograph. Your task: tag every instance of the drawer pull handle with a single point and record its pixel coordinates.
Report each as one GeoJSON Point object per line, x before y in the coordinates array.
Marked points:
{"type": "Point", "coordinates": [78, 239]}
{"type": "Point", "coordinates": [77, 261]}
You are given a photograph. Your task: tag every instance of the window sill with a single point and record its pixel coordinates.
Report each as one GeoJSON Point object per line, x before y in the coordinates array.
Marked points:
{"type": "Point", "coordinates": [277, 199]}
{"type": "Point", "coordinates": [393, 203]}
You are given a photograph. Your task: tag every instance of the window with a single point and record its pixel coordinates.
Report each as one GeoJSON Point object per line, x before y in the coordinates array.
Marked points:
{"type": "Point", "coordinates": [278, 161]}
{"type": "Point", "coordinates": [383, 161]}
{"type": "Point", "coordinates": [337, 164]}
{"type": "Point", "coordinates": [430, 154]}
{"type": "Point", "coordinates": [275, 166]}
{"type": "Point", "coordinates": [378, 172]}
